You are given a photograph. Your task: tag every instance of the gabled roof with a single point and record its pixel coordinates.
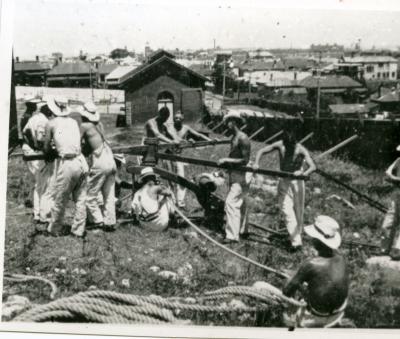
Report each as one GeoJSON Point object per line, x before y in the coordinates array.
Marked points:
{"type": "Point", "coordinates": [70, 68]}
{"type": "Point", "coordinates": [106, 68]}
{"type": "Point", "coordinates": [158, 54]}
{"type": "Point", "coordinates": [393, 96]}
{"type": "Point", "coordinates": [164, 59]}
{"type": "Point", "coordinates": [30, 66]}
{"type": "Point", "coordinates": [350, 108]}
{"type": "Point", "coordinates": [330, 81]}
{"type": "Point", "coordinates": [118, 73]}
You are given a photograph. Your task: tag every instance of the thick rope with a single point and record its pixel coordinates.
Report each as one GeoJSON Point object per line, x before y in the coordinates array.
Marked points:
{"type": "Point", "coordinates": [269, 269]}
{"type": "Point", "coordinates": [24, 278]}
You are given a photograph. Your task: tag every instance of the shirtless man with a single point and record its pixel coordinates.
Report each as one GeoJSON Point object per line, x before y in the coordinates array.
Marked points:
{"type": "Point", "coordinates": [390, 226]}
{"type": "Point", "coordinates": [102, 170]}
{"type": "Point", "coordinates": [182, 132]}
{"type": "Point", "coordinates": [293, 157]}
{"type": "Point", "coordinates": [326, 276]}
{"type": "Point", "coordinates": [155, 127]}
{"type": "Point", "coordinates": [235, 203]}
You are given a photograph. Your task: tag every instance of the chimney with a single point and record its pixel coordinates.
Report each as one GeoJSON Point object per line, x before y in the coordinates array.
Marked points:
{"type": "Point", "coordinates": [37, 58]}
{"type": "Point", "coordinates": [16, 59]}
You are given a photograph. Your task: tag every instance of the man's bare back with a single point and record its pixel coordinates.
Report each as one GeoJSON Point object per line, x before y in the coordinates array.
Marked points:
{"type": "Point", "coordinates": [327, 281]}
{"type": "Point", "coordinates": [91, 136]}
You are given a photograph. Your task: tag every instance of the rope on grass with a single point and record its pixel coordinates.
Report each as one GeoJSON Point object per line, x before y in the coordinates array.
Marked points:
{"type": "Point", "coordinates": [24, 278]}
{"type": "Point", "coordinates": [113, 307]}
{"type": "Point", "coordinates": [198, 230]}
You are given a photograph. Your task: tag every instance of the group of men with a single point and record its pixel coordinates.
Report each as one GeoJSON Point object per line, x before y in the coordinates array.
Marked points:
{"type": "Point", "coordinates": [79, 164]}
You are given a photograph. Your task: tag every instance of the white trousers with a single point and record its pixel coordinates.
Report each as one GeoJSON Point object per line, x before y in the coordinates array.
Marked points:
{"type": "Point", "coordinates": [392, 220]}
{"type": "Point", "coordinates": [71, 178]}
{"type": "Point", "coordinates": [236, 211]}
{"type": "Point", "coordinates": [35, 167]}
{"type": "Point", "coordinates": [101, 180]}
{"type": "Point", "coordinates": [47, 181]}
{"type": "Point", "coordinates": [179, 168]}
{"type": "Point", "coordinates": [291, 194]}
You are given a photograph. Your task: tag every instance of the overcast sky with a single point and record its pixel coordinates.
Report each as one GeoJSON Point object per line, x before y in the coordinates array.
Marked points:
{"type": "Point", "coordinates": [98, 26]}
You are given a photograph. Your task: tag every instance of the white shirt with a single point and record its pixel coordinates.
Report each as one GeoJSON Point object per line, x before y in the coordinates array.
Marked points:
{"type": "Point", "coordinates": [66, 135]}
{"type": "Point", "coordinates": [37, 124]}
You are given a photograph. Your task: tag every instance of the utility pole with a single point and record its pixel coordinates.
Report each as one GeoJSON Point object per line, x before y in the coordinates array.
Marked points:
{"type": "Point", "coordinates": [248, 99]}
{"type": "Point", "coordinates": [318, 92]}
{"type": "Point", "coordinates": [223, 83]}
{"type": "Point", "coordinates": [90, 77]}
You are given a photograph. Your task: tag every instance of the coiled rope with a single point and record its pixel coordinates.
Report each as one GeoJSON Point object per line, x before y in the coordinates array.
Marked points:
{"type": "Point", "coordinates": [24, 278]}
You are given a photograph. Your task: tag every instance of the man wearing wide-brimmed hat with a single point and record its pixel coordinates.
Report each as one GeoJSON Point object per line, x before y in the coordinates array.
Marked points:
{"type": "Point", "coordinates": [152, 203]}
{"type": "Point", "coordinates": [235, 202]}
{"type": "Point", "coordinates": [31, 104]}
{"type": "Point", "coordinates": [71, 168]}
{"type": "Point", "coordinates": [101, 178]}
{"type": "Point", "coordinates": [391, 223]}
{"type": "Point", "coordinates": [326, 276]}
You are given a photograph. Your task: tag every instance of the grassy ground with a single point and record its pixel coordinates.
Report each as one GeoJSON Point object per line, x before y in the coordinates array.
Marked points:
{"type": "Point", "coordinates": [105, 260]}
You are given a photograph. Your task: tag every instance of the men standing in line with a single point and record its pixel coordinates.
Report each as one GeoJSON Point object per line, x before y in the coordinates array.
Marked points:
{"type": "Point", "coordinates": [71, 168]}
{"type": "Point", "coordinates": [326, 276]}
{"type": "Point", "coordinates": [102, 170]}
{"type": "Point", "coordinates": [391, 223]}
{"type": "Point", "coordinates": [33, 136]}
{"type": "Point", "coordinates": [235, 203]}
{"type": "Point", "coordinates": [291, 193]}
{"type": "Point", "coordinates": [179, 131]}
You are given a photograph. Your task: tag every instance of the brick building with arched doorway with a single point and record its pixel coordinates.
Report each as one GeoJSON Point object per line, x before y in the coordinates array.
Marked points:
{"type": "Point", "coordinates": [163, 82]}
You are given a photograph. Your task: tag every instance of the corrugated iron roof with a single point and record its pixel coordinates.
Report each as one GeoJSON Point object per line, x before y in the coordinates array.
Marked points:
{"type": "Point", "coordinates": [299, 63]}
{"type": "Point", "coordinates": [349, 108]}
{"type": "Point", "coordinates": [31, 66]}
{"type": "Point", "coordinates": [262, 66]}
{"type": "Point", "coordinates": [71, 68]}
{"type": "Point", "coordinates": [120, 72]}
{"type": "Point", "coordinates": [106, 68]}
{"type": "Point", "coordinates": [330, 81]}
{"type": "Point", "coordinates": [393, 96]}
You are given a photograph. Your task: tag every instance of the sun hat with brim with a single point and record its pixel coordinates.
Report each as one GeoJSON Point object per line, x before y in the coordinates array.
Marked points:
{"type": "Point", "coordinates": [326, 230]}
{"type": "Point", "coordinates": [120, 157]}
{"type": "Point", "coordinates": [59, 107]}
{"type": "Point", "coordinates": [32, 100]}
{"type": "Point", "coordinates": [89, 111]}
{"type": "Point", "coordinates": [233, 115]}
{"type": "Point", "coordinates": [146, 173]}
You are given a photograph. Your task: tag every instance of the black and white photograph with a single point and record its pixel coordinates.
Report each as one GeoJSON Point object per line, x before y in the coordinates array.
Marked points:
{"type": "Point", "coordinates": [201, 165]}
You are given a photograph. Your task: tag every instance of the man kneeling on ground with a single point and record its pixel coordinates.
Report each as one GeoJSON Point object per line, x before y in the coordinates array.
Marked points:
{"type": "Point", "coordinates": [326, 276]}
{"type": "Point", "coordinates": [152, 203]}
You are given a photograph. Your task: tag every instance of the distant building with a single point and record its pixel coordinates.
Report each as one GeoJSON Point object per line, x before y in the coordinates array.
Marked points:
{"type": "Point", "coordinates": [115, 78]}
{"type": "Point", "coordinates": [371, 67]}
{"type": "Point", "coordinates": [102, 71]}
{"type": "Point", "coordinates": [30, 73]}
{"type": "Point", "coordinates": [260, 55]}
{"type": "Point", "coordinates": [162, 82]}
{"type": "Point", "coordinates": [354, 110]}
{"type": "Point", "coordinates": [389, 102]}
{"type": "Point", "coordinates": [78, 74]}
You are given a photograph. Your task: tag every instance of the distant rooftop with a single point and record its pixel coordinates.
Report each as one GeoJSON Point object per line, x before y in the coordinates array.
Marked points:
{"type": "Point", "coordinates": [27, 66]}
{"type": "Point", "coordinates": [369, 59]}
{"type": "Point", "coordinates": [330, 81]}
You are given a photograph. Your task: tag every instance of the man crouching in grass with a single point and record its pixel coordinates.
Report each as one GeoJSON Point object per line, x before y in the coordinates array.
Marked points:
{"type": "Point", "coordinates": [326, 277]}
{"type": "Point", "coordinates": [152, 203]}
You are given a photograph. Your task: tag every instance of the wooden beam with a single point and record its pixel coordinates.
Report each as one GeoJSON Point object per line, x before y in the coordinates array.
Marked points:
{"type": "Point", "coordinates": [335, 148]}
{"type": "Point", "coordinates": [256, 132]}
{"type": "Point", "coordinates": [273, 136]}
{"type": "Point", "coordinates": [218, 125]}
{"type": "Point", "coordinates": [308, 136]}
{"type": "Point", "coordinates": [209, 163]}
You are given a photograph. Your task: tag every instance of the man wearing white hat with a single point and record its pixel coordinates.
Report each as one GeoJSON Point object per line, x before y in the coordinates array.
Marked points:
{"type": "Point", "coordinates": [152, 203]}
{"type": "Point", "coordinates": [235, 202]}
{"type": "Point", "coordinates": [391, 223]}
{"type": "Point", "coordinates": [326, 276]}
{"type": "Point", "coordinates": [33, 135]}
{"type": "Point", "coordinates": [101, 178]}
{"type": "Point", "coordinates": [71, 168]}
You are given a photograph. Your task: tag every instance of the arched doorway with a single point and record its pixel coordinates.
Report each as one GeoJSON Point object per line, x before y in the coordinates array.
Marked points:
{"type": "Point", "coordinates": [166, 99]}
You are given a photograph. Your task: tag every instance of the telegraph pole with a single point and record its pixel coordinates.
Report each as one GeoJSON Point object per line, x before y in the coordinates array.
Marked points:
{"type": "Point", "coordinates": [223, 83]}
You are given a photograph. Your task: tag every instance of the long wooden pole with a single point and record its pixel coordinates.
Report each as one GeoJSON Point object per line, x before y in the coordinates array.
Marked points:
{"type": "Point", "coordinates": [273, 136]}
{"type": "Point", "coordinates": [218, 125]}
{"type": "Point", "coordinates": [209, 163]}
{"type": "Point", "coordinates": [256, 133]}
{"type": "Point", "coordinates": [308, 136]}
{"type": "Point", "coordinates": [340, 145]}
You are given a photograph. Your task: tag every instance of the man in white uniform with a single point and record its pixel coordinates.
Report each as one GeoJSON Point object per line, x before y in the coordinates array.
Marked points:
{"type": "Point", "coordinates": [33, 136]}
{"type": "Point", "coordinates": [101, 179]}
{"type": "Point", "coordinates": [152, 203]}
{"type": "Point", "coordinates": [71, 168]}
